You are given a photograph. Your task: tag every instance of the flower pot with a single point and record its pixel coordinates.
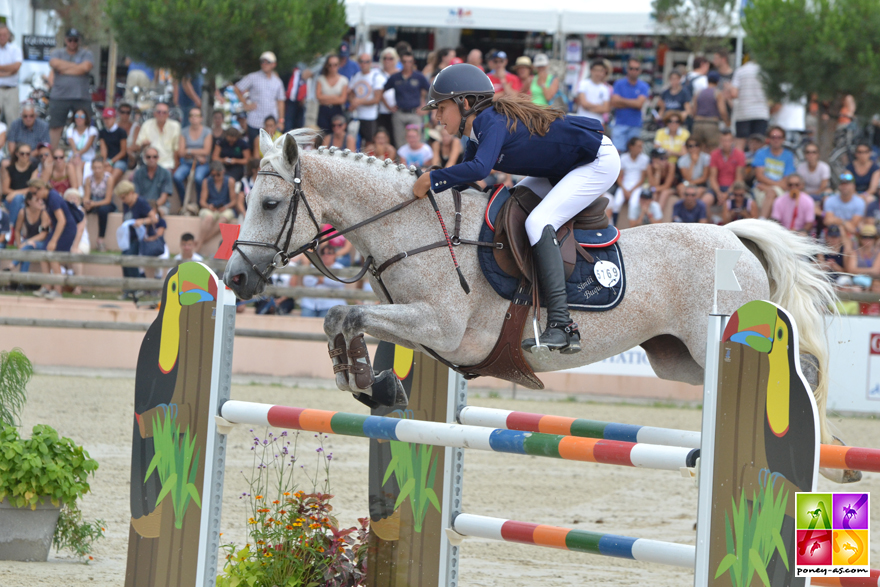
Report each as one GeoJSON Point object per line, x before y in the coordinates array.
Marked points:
{"type": "Point", "coordinates": [25, 534]}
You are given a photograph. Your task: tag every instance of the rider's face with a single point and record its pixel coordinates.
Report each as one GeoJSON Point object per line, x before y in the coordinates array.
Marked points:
{"type": "Point", "coordinates": [449, 116]}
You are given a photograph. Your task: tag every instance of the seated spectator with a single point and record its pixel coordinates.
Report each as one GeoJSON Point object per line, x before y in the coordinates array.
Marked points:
{"type": "Point", "coordinates": [247, 182]}
{"type": "Point", "coordinates": [32, 227]}
{"type": "Point", "coordinates": [271, 127]}
{"type": "Point", "coordinates": [382, 148]}
{"type": "Point", "coordinates": [82, 138]}
{"type": "Point", "coordinates": [835, 261]}
{"type": "Point", "coordinates": [153, 182]}
{"type": "Point", "coordinates": [865, 171]}
{"type": "Point", "coordinates": [415, 152]}
{"type": "Point", "coordinates": [726, 167]}
{"type": "Point", "coordinates": [195, 149]}
{"type": "Point", "coordinates": [113, 147]}
{"type": "Point", "coordinates": [217, 203]}
{"type": "Point", "coordinates": [5, 228]}
{"type": "Point", "coordinates": [162, 134]}
{"type": "Point", "coordinates": [691, 209]}
{"type": "Point", "coordinates": [795, 209]}
{"type": "Point", "coordinates": [132, 129]}
{"type": "Point", "coordinates": [16, 175]}
{"type": "Point", "coordinates": [816, 174]}
{"type": "Point", "coordinates": [694, 169]}
{"type": "Point", "coordinates": [339, 136]}
{"type": "Point", "coordinates": [754, 144]}
{"type": "Point", "coordinates": [672, 138]}
{"type": "Point", "coordinates": [98, 198]}
{"type": "Point", "coordinates": [772, 164]}
{"type": "Point", "coordinates": [844, 209]}
{"type": "Point", "coordinates": [60, 174]}
{"type": "Point", "coordinates": [318, 307]}
{"type": "Point", "coordinates": [633, 170]}
{"type": "Point", "coordinates": [153, 242]}
{"type": "Point", "coordinates": [343, 246]}
{"type": "Point", "coordinates": [661, 177]}
{"type": "Point", "coordinates": [864, 263]}
{"type": "Point", "coordinates": [137, 214]}
{"type": "Point", "coordinates": [218, 126]}
{"type": "Point", "coordinates": [738, 204]}
{"type": "Point", "coordinates": [43, 157]}
{"type": "Point", "coordinates": [62, 231]}
{"type": "Point", "coordinates": [27, 130]}
{"type": "Point", "coordinates": [447, 150]}
{"type": "Point", "coordinates": [187, 249]}
{"type": "Point", "coordinates": [81, 240]}
{"type": "Point", "coordinates": [648, 212]}
{"type": "Point", "coordinates": [233, 152]}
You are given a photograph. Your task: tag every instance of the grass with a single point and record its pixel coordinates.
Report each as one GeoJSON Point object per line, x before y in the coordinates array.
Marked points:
{"type": "Point", "coordinates": [415, 468]}
{"type": "Point", "coordinates": [176, 465]}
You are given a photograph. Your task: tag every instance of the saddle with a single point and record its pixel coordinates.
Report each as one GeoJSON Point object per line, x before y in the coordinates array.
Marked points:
{"type": "Point", "coordinates": [513, 252]}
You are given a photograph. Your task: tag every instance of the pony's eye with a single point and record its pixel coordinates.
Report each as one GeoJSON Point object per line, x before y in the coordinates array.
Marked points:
{"type": "Point", "coordinates": [270, 204]}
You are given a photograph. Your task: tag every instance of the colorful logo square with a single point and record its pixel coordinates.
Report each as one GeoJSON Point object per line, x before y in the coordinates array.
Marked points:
{"type": "Point", "coordinates": [850, 511]}
{"type": "Point", "coordinates": [814, 511]}
{"type": "Point", "coordinates": [850, 548]}
{"type": "Point", "coordinates": [814, 547]}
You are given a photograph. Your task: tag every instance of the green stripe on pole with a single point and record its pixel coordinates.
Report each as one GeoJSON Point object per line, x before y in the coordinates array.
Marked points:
{"type": "Point", "coordinates": [583, 541]}
{"type": "Point", "coordinates": [543, 445]}
{"type": "Point", "coordinates": [588, 428]}
{"type": "Point", "coordinates": [348, 424]}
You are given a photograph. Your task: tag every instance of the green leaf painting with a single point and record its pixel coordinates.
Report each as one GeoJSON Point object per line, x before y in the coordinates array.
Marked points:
{"type": "Point", "coordinates": [176, 462]}
{"type": "Point", "coordinates": [414, 466]}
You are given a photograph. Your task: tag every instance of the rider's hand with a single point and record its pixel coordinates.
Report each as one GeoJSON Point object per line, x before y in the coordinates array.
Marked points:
{"type": "Point", "coordinates": [422, 185]}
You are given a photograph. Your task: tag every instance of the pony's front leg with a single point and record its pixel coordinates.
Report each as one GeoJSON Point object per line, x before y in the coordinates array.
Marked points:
{"type": "Point", "coordinates": [405, 324]}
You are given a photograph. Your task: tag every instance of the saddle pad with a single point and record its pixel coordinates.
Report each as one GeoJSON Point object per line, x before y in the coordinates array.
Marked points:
{"type": "Point", "coordinates": [585, 292]}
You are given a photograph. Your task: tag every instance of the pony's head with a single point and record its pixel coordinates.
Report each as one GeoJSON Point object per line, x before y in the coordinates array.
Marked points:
{"type": "Point", "coordinates": [279, 220]}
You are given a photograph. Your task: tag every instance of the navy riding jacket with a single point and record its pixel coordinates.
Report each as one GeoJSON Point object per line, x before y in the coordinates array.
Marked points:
{"type": "Point", "coordinates": [571, 142]}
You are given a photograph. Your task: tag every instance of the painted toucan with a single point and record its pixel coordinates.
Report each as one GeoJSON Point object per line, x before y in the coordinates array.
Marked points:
{"type": "Point", "coordinates": [156, 377]}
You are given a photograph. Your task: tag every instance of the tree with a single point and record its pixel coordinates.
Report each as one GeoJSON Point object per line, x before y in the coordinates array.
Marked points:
{"type": "Point", "coordinates": [822, 48]}
{"type": "Point", "coordinates": [695, 22]}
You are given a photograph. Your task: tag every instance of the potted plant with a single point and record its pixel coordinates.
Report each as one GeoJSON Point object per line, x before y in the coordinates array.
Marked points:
{"type": "Point", "coordinates": [41, 478]}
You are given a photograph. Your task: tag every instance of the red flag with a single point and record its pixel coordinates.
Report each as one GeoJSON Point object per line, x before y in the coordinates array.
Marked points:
{"type": "Point", "coordinates": [228, 236]}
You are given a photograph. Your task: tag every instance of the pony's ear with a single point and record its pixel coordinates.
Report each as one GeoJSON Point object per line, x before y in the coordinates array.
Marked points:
{"type": "Point", "coordinates": [290, 150]}
{"type": "Point", "coordinates": [266, 144]}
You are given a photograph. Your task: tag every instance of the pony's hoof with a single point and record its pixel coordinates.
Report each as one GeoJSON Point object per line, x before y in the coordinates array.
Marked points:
{"type": "Point", "coordinates": [388, 390]}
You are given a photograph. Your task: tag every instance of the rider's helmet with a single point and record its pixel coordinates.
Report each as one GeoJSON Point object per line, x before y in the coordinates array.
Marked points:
{"type": "Point", "coordinates": [460, 81]}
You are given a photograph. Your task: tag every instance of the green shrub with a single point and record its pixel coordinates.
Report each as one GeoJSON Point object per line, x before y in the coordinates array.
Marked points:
{"type": "Point", "coordinates": [15, 372]}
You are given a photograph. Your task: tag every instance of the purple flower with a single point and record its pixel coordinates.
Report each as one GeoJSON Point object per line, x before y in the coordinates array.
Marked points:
{"type": "Point", "coordinates": [320, 449]}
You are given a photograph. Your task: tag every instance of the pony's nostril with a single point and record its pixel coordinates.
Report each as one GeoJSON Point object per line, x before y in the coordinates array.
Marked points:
{"type": "Point", "coordinates": [238, 279]}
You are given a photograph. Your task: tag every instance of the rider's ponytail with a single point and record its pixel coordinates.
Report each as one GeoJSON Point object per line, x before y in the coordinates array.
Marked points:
{"type": "Point", "coordinates": [518, 107]}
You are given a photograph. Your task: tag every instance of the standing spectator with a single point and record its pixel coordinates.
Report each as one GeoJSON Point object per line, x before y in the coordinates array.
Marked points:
{"type": "Point", "coordinates": [523, 70]}
{"type": "Point", "coordinates": [339, 138]}
{"type": "Point", "coordinates": [16, 175]}
{"type": "Point", "coordinates": [153, 182]}
{"type": "Point", "coordinates": [791, 116]}
{"type": "Point", "coordinates": [28, 129]}
{"type": "Point", "coordinates": [721, 62]}
{"type": "Point", "coordinates": [382, 148]}
{"type": "Point", "coordinates": [188, 93]}
{"type": "Point", "coordinates": [364, 94]}
{"type": "Point", "coordinates": [195, 149]}
{"type": "Point", "coordinates": [388, 60]}
{"type": "Point", "coordinates": [661, 177]}
{"type": "Point", "coordinates": [98, 197]}
{"type": "Point", "coordinates": [81, 138]}
{"type": "Point", "coordinates": [187, 249]}
{"type": "Point", "coordinates": [442, 58]}
{"type": "Point", "coordinates": [217, 203]}
{"type": "Point", "coordinates": [750, 110]}
{"type": "Point", "coordinates": [447, 151]}
{"type": "Point", "coordinates": [70, 85]}
{"type": "Point", "coordinates": [346, 66]}
{"type": "Point", "coordinates": [233, 152]}
{"type": "Point", "coordinates": [10, 63]}
{"type": "Point", "coordinates": [161, 134]}
{"type": "Point", "coordinates": [697, 79]}
{"type": "Point", "coordinates": [410, 88]}
{"type": "Point", "coordinates": [62, 230]}
{"type": "Point", "coordinates": [331, 92]}
{"type": "Point", "coordinates": [795, 210]}
{"type": "Point", "coordinates": [675, 97]}
{"type": "Point", "coordinates": [648, 212]}
{"type": "Point", "coordinates": [633, 169]}
{"type": "Point", "coordinates": [502, 80]}
{"type": "Point", "coordinates": [738, 204]}
{"type": "Point", "coordinates": [475, 58]}
{"type": "Point", "coordinates": [32, 227]}
{"type": "Point", "coordinates": [694, 169]}
{"type": "Point", "coordinates": [772, 164]}
{"type": "Point", "coordinates": [544, 86]}
{"type": "Point", "coordinates": [672, 138]}
{"type": "Point", "coordinates": [113, 143]}
{"type": "Point", "coordinates": [865, 171]}
{"type": "Point", "coordinates": [844, 209]}
{"type": "Point", "coordinates": [265, 95]}
{"type": "Point", "coordinates": [630, 94]}
{"type": "Point", "coordinates": [594, 95]}
{"type": "Point", "coordinates": [139, 76]}
{"type": "Point", "coordinates": [415, 152]}
{"type": "Point", "coordinates": [140, 214]}
{"type": "Point", "coordinates": [710, 110]}
{"type": "Point", "coordinates": [295, 105]}
{"type": "Point", "coordinates": [60, 174]}
{"type": "Point", "coordinates": [726, 167]}
{"type": "Point", "coordinates": [318, 307]}
{"type": "Point", "coordinates": [690, 209]}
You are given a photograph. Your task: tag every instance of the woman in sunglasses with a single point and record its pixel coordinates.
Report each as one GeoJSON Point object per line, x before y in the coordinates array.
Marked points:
{"type": "Point", "coordinates": [331, 92]}
{"type": "Point", "coordinates": [16, 175]}
{"type": "Point", "coordinates": [58, 172]}
{"type": "Point", "coordinates": [82, 138]}
{"type": "Point", "coordinates": [866, 172]}
{"type": "Point", "coordinates": [339, 138]}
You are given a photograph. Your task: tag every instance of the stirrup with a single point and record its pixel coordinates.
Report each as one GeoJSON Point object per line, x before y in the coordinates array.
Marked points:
{"type": "Point", "coordinates": [565, 339]}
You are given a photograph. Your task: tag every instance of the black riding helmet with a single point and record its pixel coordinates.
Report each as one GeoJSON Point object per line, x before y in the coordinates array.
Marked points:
{"type": "Point", "coordinates": [458, 82]}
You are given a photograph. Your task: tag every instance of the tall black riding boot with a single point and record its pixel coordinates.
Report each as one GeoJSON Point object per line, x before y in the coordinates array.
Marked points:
{"type": "Point", "coordinates": [561, 333]}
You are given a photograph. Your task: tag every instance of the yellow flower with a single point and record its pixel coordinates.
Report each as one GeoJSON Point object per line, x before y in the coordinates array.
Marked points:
{"type": "Point", "coordinates": [314, 526]}
{"type": "Point", "coordinates": [268, 554]}
{"type": "Point", "coordinates": [261, 542]}
{"type": "Point", "coordinates": [297, 524]}
{"type": "Point", "coordinates": [286, 493]}
{"type": "Point", "coordinates": [252, 521]}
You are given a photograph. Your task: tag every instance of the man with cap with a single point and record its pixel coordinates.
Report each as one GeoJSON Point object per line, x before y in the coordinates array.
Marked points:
{"type": "Point", "coordinates": [502, 80]}
{"type": "Point", "coordinates": [70, 83]}
{"type": "Point", "coordinates": [265, 95]}
{"type": "Point", "coordinates": [844, 209]}
{"type": "Point", "coordinates": [347, 67]}
{"type": "Point", "coordinates": [10, 62]}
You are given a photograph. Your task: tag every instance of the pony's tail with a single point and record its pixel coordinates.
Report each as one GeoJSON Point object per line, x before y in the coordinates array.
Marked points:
{"type": "Point", "coordinates": [799, 285]}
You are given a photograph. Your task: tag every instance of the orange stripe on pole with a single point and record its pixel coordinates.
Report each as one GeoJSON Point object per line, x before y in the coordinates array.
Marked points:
{"type": "Point", "coordinates": [550, 536]}
{"type": "Point", "coordinates": [574, 448]}
{"type": "Point", "coordinates": [555, 425]}
{"type": "Point", "coordinates": [832, 456]}
{"type": "Point", "coordinates": [316, 420]}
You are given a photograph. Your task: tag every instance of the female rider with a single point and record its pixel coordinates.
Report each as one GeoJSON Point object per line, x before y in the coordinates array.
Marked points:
{"type": "Point", "coordinates": [569, 163]}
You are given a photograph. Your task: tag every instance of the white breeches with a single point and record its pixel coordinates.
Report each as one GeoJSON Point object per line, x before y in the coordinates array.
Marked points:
{"type": "Point", "coordinates": [574, 192]}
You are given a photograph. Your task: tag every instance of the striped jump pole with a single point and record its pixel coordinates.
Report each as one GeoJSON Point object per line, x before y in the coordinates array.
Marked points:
{"type": "Point", "coordinates": [640, 549]}
{"type": "Point", "coordinates": [830, 456]}
{"type": "Point", "coordinates": [872, 581]}
{"type": "Point", "coordinates": [570, 448]}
